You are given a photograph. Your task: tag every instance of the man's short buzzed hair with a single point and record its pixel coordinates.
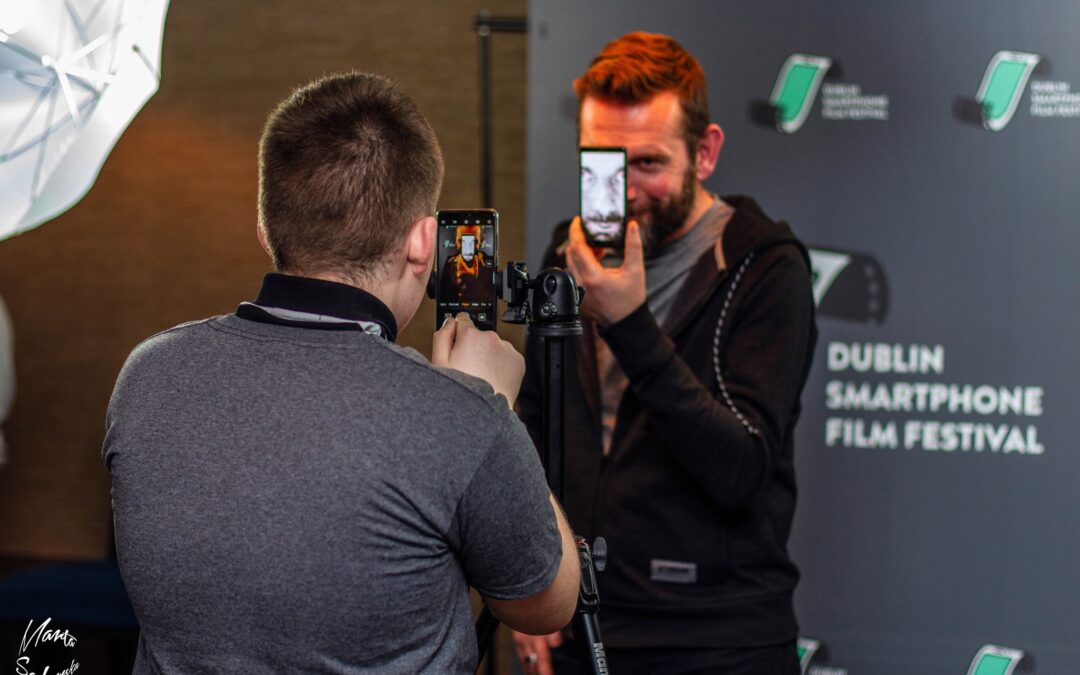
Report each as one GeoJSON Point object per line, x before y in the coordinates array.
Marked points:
{"type": "Point", "coordinates": [346, 165]}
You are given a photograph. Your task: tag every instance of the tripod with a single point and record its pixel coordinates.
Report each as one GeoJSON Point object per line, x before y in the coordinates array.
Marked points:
{"type": "Point", "coordinates": [549, 306]}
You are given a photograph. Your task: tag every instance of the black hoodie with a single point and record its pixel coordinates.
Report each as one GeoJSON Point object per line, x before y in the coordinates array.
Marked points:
{"type": "Point", "coordinates": [697, 494]}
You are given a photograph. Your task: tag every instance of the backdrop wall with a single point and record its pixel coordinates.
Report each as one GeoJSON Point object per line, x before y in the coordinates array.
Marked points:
{"type": "Point", "coordinates": [937, 455]}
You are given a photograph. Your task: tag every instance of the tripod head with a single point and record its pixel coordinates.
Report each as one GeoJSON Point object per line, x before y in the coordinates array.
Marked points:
{"type": "Point", "coordinates": [550, 303]}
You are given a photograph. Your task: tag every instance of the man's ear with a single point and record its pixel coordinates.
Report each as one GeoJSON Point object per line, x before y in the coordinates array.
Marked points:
{"type": "Point", "coordinates": [708, 151]}
{"type": "Point", "coordinates": [420, 246]}
{"type": "Point", "coordinates": [262, 240]}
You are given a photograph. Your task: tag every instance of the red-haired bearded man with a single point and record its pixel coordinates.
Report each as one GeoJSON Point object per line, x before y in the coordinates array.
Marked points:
{"type": "Point", "coordinates": [682, 399]}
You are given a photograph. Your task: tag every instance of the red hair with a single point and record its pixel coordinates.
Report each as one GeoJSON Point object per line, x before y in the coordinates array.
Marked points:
{"type": "Point", "coordinates": [637, 66]}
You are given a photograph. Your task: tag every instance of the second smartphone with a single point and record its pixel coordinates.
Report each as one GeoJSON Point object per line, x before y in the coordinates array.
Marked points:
{"type": "Point", "coordinates": [603, 195]}
{"type": "Point", "coordinates": [466, 262]}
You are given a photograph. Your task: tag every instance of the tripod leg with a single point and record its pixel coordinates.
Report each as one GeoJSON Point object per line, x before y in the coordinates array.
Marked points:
{"type": "Point", "coordinates": [586, 629]}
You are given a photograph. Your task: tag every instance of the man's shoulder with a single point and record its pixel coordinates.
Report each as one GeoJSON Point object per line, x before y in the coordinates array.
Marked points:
{"type": "Point", "coordinates": [751, 230]}
{"type": "Point", "coordinates": [169, 339]}
{"type": "Point", "coordinates": [469, 394]}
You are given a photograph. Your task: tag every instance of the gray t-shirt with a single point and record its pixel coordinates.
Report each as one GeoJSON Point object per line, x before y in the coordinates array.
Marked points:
{"type": "Point", "coordinates": [290, 499]}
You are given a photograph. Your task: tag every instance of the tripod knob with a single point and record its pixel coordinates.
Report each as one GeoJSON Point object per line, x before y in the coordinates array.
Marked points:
{"type": "Point", "coordinates": [599, 554]}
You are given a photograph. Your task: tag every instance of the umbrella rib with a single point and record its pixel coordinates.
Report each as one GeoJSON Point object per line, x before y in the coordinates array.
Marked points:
{"type": "Point", "coordinates": [85, 49]}
{"type": "Point", "coordinates": [80, 26]}
{"type": "Point", "coordinates": [22, 126]}
{"type": "Point", "coordinates": [31, 143]}
{"type": "Point", "coordinates": [146, 61]}
{"type": "Point", "coordinates": [73, 107]}
{"type": "Point", "coordinates": [94, 12]}
{"type": "Point", "coordinates": [87, 74]}
{"type": "Point", "coordinates": [23, 52]}
{"type": "Point", "coordinates": [28, 77]}
{"type": "Point", "coordinates": [44, 147]}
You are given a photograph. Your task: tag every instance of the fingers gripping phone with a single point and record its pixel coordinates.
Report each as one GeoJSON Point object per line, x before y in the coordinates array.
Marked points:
{"type": "Point", "coordinates": [603, 195]}
{"type": "Point", "coordinates": [467, 243]}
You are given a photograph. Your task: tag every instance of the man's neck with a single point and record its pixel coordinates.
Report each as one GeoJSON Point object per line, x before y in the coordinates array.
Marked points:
{"type": "Point", "coordinates": [384, 292]}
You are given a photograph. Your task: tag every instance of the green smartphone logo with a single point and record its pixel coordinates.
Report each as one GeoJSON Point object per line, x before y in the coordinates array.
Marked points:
{"type": "Point", "coordinates": [806, 648]}
{"type": "Point", "coordinates": [995, 660]}
{"type": "Point", "coordinates": [1003, 85]}
{"type": "Point", "coordinates": [795, 89]}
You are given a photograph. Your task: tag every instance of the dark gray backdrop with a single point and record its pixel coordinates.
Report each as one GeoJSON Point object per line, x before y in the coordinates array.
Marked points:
{"type": "Point", "coordinates": [911, 559]}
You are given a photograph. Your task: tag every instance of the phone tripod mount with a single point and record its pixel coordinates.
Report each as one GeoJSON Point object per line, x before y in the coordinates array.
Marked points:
{"type": "Point", "coordinates": [550, 306]}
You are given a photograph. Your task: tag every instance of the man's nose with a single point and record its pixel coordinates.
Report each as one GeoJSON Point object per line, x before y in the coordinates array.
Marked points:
{"type": "Point", "coordinates": [631, 192]}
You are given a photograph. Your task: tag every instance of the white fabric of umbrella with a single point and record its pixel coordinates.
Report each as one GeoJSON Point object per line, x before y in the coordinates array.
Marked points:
{"type": "Point", "coordinates": [73, 74]}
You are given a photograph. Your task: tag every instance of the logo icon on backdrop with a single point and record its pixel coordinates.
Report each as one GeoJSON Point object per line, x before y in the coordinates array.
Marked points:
{"type": "Point", "coordinates": [1001, 89]}
{"type": "Point", "coordinates": [806, 648]}
{"type": "Point", "coordinates": [996, 660]}
{"type": "Point", "coordinates": [794, 92]}
{"type": "Point", "coordinates": [848, 285]}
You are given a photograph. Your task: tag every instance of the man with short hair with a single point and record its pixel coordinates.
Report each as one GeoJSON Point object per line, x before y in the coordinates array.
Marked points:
{"type": "Point", "coordinates": [291, 490]}
{"type": "Point", "coordinates": [681, 402]}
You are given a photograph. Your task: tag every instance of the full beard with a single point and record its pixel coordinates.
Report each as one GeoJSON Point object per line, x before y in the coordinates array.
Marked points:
{"type": "Point", "coordinates": [659, 219]}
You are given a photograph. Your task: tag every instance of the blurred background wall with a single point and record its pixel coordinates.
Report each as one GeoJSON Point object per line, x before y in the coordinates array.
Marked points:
{"type": "Point", "coordinates": [167, 234]}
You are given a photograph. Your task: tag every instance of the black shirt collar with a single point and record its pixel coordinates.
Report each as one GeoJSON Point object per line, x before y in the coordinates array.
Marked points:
{"type": "Point", "coordinates": [315, 303]}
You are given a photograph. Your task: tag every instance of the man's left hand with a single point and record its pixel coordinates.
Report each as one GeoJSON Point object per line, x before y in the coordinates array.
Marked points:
{"type": "Point", "coordinates": [611, 294]}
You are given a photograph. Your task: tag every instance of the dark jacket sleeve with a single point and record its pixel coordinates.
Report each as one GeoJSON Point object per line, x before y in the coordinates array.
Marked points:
{"type": "Point", "coordinates": [728, 447]}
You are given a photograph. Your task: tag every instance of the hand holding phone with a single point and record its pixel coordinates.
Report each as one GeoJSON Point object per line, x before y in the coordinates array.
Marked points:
{"type": "Point", "coordinates": [612, 292]}
{"type": "Point", "coordinates": [459, 345]}
{"type": "Point", "coordinates": [603, 195]}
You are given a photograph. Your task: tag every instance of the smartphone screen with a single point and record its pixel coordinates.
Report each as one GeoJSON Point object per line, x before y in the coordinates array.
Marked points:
{"type": "Point", "coordinates": [468, 243]}
{"type": "Point", "coordinates": [603, 195]}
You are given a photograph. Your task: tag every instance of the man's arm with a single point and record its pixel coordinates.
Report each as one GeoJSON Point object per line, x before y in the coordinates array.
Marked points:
{"type": "Point", "coordinates": [728, 453]}
{"type": "Point", "coordinates": [764, 365]}
{"type": "Point", "coordinates": [526, 571]}
{"type": "Point", "coordinates": [552, 608]}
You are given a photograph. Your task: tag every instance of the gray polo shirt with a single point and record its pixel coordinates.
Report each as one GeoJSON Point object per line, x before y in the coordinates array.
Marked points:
{"type": "Point", "coordinates": [289, 498]}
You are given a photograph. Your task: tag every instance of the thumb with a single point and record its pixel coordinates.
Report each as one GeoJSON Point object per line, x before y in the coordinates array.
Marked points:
{"type": "Point", "coordinates": [633, 250]}
{"type": "Point", "coordinates": [443, 341]}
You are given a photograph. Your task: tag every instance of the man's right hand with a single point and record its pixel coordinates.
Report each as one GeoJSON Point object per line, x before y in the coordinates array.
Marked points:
{"type": "Point", "coordinates": [460, 345]}
{"type": "Point", "coordinates": [534, 652]}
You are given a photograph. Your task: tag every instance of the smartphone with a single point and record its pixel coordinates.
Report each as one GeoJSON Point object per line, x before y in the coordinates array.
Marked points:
{"type": "Point", "coordinates": [468, 244]}
{"type": "Point", "coordinates": [603, 195]}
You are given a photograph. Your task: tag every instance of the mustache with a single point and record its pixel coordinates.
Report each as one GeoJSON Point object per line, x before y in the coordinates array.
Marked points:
{"type": "Point", "coordinates": [613, 217]}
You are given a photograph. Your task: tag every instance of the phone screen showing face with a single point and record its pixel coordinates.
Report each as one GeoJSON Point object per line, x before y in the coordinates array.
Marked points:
{"type": "Point", "coordinates": [603, 195]}
{"type": "Point", "coordinates": [467, 246]}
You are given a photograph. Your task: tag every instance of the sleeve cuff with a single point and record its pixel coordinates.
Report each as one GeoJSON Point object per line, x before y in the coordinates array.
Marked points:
{"type": "Point", "coordinates": [638, 343]}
